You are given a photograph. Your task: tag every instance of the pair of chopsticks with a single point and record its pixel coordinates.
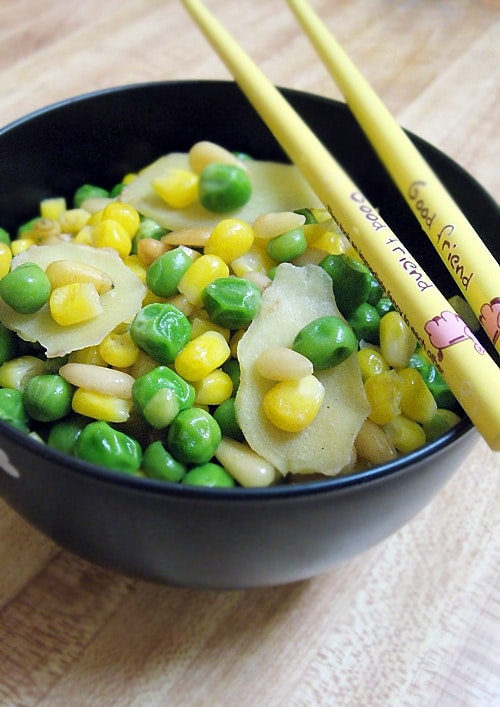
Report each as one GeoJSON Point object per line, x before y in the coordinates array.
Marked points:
{"type": "Point", "coordinates": [470, 372]}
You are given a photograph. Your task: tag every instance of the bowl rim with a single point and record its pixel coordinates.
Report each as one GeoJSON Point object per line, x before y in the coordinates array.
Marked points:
{"type": "Point", "coordinates": [371, 475]}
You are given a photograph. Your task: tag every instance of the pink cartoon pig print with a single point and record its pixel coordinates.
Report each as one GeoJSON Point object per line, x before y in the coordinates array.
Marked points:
{"type": "Point", "coordinates": [447, 329]}
{"type": "Point", "coordinates": [489, 317]}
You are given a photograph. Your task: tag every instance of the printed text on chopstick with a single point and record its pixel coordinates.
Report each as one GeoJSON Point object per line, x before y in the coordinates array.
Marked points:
{"type": "Point", "coordinates": [443, 236]}
{"type": "Point", "coordinates": [394, 244]}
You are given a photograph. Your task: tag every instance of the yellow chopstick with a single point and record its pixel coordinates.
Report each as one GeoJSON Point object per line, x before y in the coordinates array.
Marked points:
{"type": "Point", "coordinates": [470, 263]}
{"type": "Point", "coordinates": [471, 374]}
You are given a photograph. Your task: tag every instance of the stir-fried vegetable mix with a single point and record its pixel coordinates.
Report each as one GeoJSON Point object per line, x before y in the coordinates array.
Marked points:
{"type": "Point", "coordinates": [204, 322]}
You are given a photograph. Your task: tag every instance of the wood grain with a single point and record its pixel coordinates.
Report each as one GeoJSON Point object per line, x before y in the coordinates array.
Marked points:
{"type": "Point", "coordinates": [414, 621]}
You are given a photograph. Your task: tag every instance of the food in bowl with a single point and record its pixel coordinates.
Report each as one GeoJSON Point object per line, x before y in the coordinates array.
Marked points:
{"type": "Point", "coordinates": [204, 322]}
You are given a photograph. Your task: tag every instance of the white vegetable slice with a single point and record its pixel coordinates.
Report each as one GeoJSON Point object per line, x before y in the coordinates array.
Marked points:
{"type": "Point", "coordinates": [297, 296]}
{"type": "Point", "coordinates": [119, 304]}
{"type": "Point", "coordinates": [275, 187]}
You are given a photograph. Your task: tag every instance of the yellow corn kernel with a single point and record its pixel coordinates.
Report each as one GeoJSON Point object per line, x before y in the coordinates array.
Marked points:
{"type": "Point", "coordinates": [213, 389]}
{"type": "Point", "coordinates": [134, 263]}
{"type": "Point", "coordinates": [101, 406]}
{"type": "Point", "coordinates": [96, 216]}
{"type": "Point", "coordinates": [405, 434]}
{"type": "Point", "coordinates": [5, 259]}
{"type": "Point", "coordinates": [118, 349]}
{"type": "Point", "coordinates": [52, 208]}
{"type": "Point", "coordinates": [178, 188]}
{"type": "Point", "coordinates": [73, 220]}
{"type": "Point", "coordinates": [75, 303]}
{"type": "Point", "coordinates": [108, 233]}
{"type": "Point", "coordinates": [16, 372]}
{"type": "Point", "coordinates": [256, 259]}
{"type": "Point", "coordinates": [201, 323]}
{"type": "Point", "coordinates": [66, 272]}
{"type": "Point", "coordinates": [417, 401]}
{"type": "Point", "coordinates": [384, 395]}
{"type": "Point", "coordinates": [43, 229]}
{"type": "Point", "coordinates": [200, 274]}
{"type": "Point", "coordinates": [202, 355]}
{"type": "Point", "coordinates": [371, 362]}
{"type": "Point", "coordinates": [330, 242]}
{"type": "Point", "coordinates": [124, 214]}
{"type": "Point", "coordinates": [84, 236]}
{"type": "Point", "coordinates": [397, 342]}
{"type": "Point", "coordinates": [129, 178]}
{"type": "Point", "coordinates": [90, 355]}
{"type": "Point", "coordinates": [19, 245]}
{"type": "Point", "coordinates": [292, 405]}
{"type": "Point", "coordinates": [230, 239]}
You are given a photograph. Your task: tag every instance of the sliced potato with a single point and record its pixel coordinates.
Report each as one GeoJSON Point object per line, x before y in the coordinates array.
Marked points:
{"type": "Point", "coordinates": [119, 304]}
{"type": "Point", "coordinates": [297, 296]}
{"type": "Point", "coordinates": [275, 187]}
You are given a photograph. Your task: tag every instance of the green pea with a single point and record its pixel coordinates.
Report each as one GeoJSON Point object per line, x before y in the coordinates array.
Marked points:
{"type": "Point", "coordinates": [231, 302]}
{"type": "Point", "coordinates": [26, 288]}
{"type": "Point", "coordinates": [148, 229]}
{"type": "Point", "coordinates": [326, 342]}
{"type": "Point", "coordinates": [158, 463]}
{"type": "Point", "coordinates": [376, 291]}
{"type": "Point", "coordinates": [64, 434]}
{"type": "Point", "coordinates": [161, 330]}
{"type": "Point", "coordinates": [4, 236]}
{"type": "Point", "coordinates": [88, 191]}
{"type": "Point", "coordinates": [351, 281]}
{"type": "Point", "coordinates": [150, 399]}
{"type": "Point", "coordinates": [439, 388]}
{"type": "Point", "coordinates": [12, 408]}
{"type": "Point", "coordinates": [28, 226]}
{"type": "Point", "coordinates": [308, 214]}
{"type": "Point", "coordinates": [164, 273]}
{"type": "Point", "coordinates": [287, 246]}
{"type": "Point", "coordinates": [117, 190]}
{"type": "Point", "coordinates": [47, 397]}
{"type": "Point", "coordinates": [365, 322]}
{"type": "Point", "coordinates": [209, 475]}
{"type": "Point", "coordinates": [8, 344]}
{"type": "Point", "coordinates": [223, 187]}
{"type": "Point", "coordinates": [441, 422]}
{"type": "Point", "coordinates": [225, 416]}
{"type": "Point", "coordinates": [232, 368]}
{"type": "Point", "coordinates": [99, 443]}
{"type": "Point", "coordinates": [193, 436]}
{"type": "Point", "coordinates": [384, 305]}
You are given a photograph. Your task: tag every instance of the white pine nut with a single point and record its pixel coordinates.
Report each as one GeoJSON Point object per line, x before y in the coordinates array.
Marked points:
{"type": "Point", "coordinates": [148, 249]}
{"type": "Point", "coordinates": [248, 468]}
{"type": "Point", "coordinates": [372, 444]}
{"type": "Point", "coordinates": [196, 236]}
{"type": "Point", "coordinates": [98, 378]}
{"type": "Point", "coordinates": [67, 272]}
{"type": "Point", "coordinates": [205, 152]}
{"type": "Point", "coordinates": [271, 225]}
{"type": "Point", "coordinates": [258, 278]}
{"type": "Point", "coordinates": [279, 363]}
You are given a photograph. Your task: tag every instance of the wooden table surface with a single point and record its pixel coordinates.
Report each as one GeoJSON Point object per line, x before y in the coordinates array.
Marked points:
{"type": "Point", "coordinates": [414, 621]}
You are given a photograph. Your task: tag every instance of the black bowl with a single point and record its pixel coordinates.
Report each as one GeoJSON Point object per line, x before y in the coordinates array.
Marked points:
{"type": "Point", "coordinates": [234, 538]}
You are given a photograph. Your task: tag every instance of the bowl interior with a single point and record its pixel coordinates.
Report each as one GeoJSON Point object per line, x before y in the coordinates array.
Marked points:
{"type": "Point", "coordinates": [100, 137]}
